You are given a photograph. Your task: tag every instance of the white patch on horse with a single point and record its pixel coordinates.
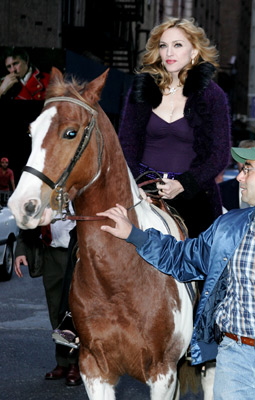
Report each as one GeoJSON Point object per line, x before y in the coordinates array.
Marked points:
{"type": "Point", "coordinates": [39, 129]}
{"type": "Point", "coordinates": [161, 389]}
{"type": "Point", "coordinates": [97, 389]}
{"type": "Point", "coordinates": [183, 319]}
{"type": "Point", "coordinates": [145, 215]}
{"type": "Point", "coordinates": [29, 186]}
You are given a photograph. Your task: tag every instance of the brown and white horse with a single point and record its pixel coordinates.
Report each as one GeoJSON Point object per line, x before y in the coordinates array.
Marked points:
{"type": "Point", "coordinates": [131, 319]}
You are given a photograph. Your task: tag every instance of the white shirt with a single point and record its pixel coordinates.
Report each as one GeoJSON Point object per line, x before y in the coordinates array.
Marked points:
{"type": "Point", "coordinates": [60, 231]}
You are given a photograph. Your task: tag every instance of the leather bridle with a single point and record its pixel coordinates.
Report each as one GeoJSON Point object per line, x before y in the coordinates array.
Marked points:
{"type": "Point", "coordinates": [58, 186]}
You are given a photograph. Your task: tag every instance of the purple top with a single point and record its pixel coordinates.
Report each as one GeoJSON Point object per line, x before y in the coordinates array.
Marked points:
{"type": "Point", "coordinates": [168, 146]}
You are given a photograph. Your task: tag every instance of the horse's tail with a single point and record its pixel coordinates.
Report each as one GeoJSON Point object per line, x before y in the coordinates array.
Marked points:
{"type": "Point", "coordinates": [189, 377]}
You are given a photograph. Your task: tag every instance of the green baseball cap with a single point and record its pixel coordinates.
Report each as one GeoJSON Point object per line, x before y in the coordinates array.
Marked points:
{"type": "Point", "coordinates": [241, 154]}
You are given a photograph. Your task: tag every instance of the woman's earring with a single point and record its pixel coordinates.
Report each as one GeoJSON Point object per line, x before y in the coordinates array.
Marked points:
{"type": "Point", "coordinates": [192, 61]}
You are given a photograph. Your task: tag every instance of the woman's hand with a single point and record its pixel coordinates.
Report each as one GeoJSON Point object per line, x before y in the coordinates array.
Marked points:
{"type": "Point", "coordinates": [144, 196]}
{"type": "Point", "coordinates": [170, 189]}
{"type": "Point", "coordinates": [122, 227]}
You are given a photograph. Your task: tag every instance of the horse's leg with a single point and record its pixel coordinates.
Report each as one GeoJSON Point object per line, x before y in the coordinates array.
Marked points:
{"type": "Point", "coordinates": [97, 387]}
{"type": "Point", "coordinates": [207, 380]}
{"type": "Point", "coordinates": [177, 391]}
{"type": "Point", "coordinates": [165, 387]}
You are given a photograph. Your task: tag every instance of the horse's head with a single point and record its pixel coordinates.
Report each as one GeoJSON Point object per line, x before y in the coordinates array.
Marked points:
{"type": "Point", "coordinates": [59, 136]}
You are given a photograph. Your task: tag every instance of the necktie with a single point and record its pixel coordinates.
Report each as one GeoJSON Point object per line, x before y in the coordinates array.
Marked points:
{"type": "Point", "coordinates": [46, 235]}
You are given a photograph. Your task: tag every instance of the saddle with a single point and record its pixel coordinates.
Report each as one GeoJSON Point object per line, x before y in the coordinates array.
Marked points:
{"type": "Point", "coordinates": [167, 213]}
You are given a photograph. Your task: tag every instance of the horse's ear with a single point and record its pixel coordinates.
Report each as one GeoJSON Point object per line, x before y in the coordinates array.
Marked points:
{"type": "Point", "coordinates": [94, 88]}
{"type": "Point", "coordinates": [55, 75]}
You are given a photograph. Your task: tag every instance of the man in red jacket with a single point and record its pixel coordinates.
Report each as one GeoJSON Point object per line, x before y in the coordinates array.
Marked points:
{"type": "Point", "coordinates": [6, 181]}
{"type": "Point", "coordinates": [23, 81]}
{"type": "Point", "coordinates": [6, 176]}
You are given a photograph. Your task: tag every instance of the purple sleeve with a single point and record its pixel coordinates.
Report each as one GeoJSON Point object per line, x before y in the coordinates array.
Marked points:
{"type": "Point", "coordinates": [132, 132]}
{"type": "Point", "coordinates": [217, 132]}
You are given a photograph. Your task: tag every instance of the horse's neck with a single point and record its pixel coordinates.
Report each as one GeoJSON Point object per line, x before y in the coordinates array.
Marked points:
{"type": "Point", "coordinates": [113, 184]}
{"type": "Point", "coordinates": [100, 252]}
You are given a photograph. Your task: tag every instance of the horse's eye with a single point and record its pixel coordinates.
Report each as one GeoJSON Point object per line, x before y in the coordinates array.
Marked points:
{"type": "Point", "coordinates": [69, 134]}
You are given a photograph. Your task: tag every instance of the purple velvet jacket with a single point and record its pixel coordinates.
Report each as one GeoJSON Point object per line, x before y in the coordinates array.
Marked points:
{"type": "Point", "coordinates": [206, 110]}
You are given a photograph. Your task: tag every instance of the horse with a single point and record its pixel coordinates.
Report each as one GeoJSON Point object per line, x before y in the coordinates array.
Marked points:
{"type": "Point", "coordinates": [130, 318]}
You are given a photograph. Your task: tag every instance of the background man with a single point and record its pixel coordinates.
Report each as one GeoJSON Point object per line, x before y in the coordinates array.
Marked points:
{"type": "Point", "coordinates": [55, 263]}
{"type": "Point", "coordinates": [23, 81]}
{"type": "Point", "coordinates": [6, 176]}
{"type": "Point", "coordinates": [6, 181]}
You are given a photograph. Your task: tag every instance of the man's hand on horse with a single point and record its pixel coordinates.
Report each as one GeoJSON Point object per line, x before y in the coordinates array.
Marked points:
{"type": "Point", "coordinates": [122, 227]}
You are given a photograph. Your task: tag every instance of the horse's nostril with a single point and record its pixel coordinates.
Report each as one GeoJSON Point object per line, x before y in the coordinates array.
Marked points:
{"type": "Point", "coordinates": [30, 207]}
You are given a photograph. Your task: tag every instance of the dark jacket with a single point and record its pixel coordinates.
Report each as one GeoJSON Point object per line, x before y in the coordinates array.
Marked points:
{"type": "Point", "coordinates": [206, 110]}
{"type": "Point", "coordinates": [196, 259]}
{"type": "Point", "coordinates": [30, 245]}
{"type": "Point", "coordinates": [230, 194]}
{"type": "Point", "coordinates": [35, 87]}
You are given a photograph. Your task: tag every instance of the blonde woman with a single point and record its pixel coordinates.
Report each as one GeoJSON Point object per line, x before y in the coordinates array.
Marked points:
{"type": "Point", "coordinates": [176, 121]}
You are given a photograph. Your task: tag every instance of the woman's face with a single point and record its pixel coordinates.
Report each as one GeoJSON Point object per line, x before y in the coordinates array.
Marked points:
{"type": "Point", "coordinates": [175, 50]}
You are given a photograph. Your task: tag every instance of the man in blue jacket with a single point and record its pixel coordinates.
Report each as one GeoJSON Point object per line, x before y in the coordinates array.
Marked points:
{"type": "Point", "coordinates": [223, 256]}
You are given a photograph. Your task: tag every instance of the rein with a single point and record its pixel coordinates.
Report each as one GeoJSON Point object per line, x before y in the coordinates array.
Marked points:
{"type": "Point", "coordinates": [58, 186]}
{"type": "Point", "coordinates": [148, 182]}
{"type": "Point", "coordinates": [87, 217]}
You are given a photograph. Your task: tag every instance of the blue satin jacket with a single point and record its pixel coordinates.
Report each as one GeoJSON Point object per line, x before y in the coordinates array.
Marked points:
{"type": "Point", "coordinates": [202, 258]}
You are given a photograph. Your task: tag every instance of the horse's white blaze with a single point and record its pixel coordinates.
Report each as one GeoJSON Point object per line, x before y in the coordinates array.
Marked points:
{"type": "Point", "coordinates": [29, 186]}
{"type": "Point", "coordinates": [97, 389]}
{"type": "Point", "coordinates": [39, 129]}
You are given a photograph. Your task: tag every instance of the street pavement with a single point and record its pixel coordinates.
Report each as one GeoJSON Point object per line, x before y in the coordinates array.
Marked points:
{"type": "Point", "coordinates": [27, 350]}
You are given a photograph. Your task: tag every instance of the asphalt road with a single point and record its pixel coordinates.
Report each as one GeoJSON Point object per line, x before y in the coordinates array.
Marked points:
{"type": "Point", "coordinates": [27, 350]}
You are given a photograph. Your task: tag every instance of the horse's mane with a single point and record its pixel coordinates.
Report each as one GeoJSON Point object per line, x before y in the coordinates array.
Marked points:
{"type": "Point", "coordinates": [65, 87]}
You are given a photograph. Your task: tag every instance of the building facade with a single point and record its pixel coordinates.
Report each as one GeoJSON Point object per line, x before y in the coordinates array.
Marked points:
{"type": "Point", "coordinates": [115, 32]}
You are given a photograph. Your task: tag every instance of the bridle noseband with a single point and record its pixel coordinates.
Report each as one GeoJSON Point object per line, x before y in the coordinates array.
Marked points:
{"type": "Point", "coordinates": [58, 186]}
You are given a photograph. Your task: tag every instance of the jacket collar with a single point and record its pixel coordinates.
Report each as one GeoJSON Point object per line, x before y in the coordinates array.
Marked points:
{"type": "Point", "coordinates": [145, 89]}
{"type": "Point", "coordinates": [198, 78]}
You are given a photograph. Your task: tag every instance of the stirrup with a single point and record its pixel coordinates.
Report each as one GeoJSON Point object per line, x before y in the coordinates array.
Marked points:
{"type": "Point", "coordinates": [65, 333]}
{"type": "Point", "coordinates": [66, 338]}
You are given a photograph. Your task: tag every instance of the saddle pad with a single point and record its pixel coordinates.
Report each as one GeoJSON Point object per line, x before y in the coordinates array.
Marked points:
{"type": "Point", "coordinates": [168, 221]}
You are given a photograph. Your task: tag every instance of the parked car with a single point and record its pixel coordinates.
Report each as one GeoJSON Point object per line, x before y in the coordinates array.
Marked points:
{"type": "Point", "coordinates": [8, 235]}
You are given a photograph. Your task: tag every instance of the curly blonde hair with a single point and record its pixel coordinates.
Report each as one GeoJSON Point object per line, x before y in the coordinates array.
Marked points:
{"type": "Point", "coordinates": [151, 61]}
